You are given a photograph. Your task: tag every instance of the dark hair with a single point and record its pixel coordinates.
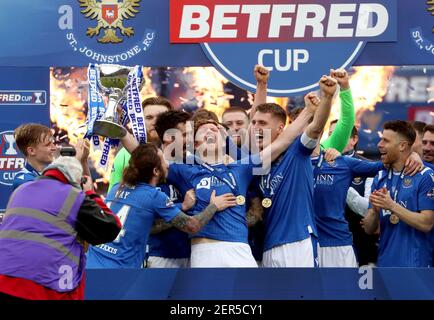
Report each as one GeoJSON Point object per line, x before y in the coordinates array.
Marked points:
{"type": "Point", "coordinates": [235, 109]}
{"type": "Point", "coordinates": [403, 128]}
{"type": "Point", "coordinates": [354, 131]}
{"type": "Point", "coordinates": [429, 127]}
{"type": "Point", "coordinates": [204, 114]}
{"type": "Point", "coordinates": [418, 126]}
{"type": "Point", "coordinates": [141, 165]}
{"type": "Point", "coordinates": [273, 108]}
{"type": "Point", "coordinates": [294, 113]}
{"type": "Point", "coordinates": [30, 134]}
{"type": "Point", "coordinates": [199, 123]}
{"type": "Point", "coordinates": [169, 120]}
{"type": "Point", "coordinates": [157, 100]}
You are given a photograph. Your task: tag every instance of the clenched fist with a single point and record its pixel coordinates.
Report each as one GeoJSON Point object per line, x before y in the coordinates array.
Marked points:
{"type": "Point", "coordinates": [341, 76]}
{"type": "Point", "coordinates": [328, 85]}
{"type": "Point", "coordinates": [311, 101]}
{"type": "Point", "coordinates": [261, 74]}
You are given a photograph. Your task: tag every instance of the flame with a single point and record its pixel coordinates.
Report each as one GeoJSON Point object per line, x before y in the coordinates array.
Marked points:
{"type": "Point", "coordinates": [208, 85]}
{"type": "Point", "coordinates": [368, 87]}
{"type": "Point", "coordinates": [68, 99]}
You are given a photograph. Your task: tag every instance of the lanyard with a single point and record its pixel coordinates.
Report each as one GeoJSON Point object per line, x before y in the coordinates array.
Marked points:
{"type": "Point", "coordinates": [390, 186]}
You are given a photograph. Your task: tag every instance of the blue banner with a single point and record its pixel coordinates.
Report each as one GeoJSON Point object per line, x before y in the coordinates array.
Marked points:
{"type": "Point", "coordinates": [364, 283]}
{"type": "Point", "coordinates": [61, 33]}
{"type": "Point", "coordinates": [24, 96]}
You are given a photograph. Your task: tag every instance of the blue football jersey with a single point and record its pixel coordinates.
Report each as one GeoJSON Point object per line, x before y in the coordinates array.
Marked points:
{"type": "Point", "coordinates": [28, 173]}
{"type": "Point", "coordinates": [331, 183]}
{"type": "Point", "coordinates": [171, 243]}
{"type": "Point", "coordinates": [290, 217]}
{"type": "Point", "coordinates": [429, 165]}
{"type": "Point", "coordinates": [400, 244]}
{"type": "Point", "coordinates": [136, 208]}
{"type": "Point", "coordinates": [227, 225]}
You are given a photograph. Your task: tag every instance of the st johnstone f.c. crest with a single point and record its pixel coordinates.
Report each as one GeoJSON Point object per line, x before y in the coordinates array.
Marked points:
{"type": "Point", "coordinates": [109, 15]}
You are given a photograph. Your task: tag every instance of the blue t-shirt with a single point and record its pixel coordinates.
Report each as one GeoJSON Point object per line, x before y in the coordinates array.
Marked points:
{"type": "Point", "coordinates": [331, 183]}
{"type": "Point", "coordinates": [291, 215]}
{"type": "Point", "coordinates": [136, 208]}
{"type": "Point", "coordinates": [171, 243]}
{"type": "Point", "coordinates": [400, 244]}
{"type": "Point", "coordinates": [229, 224]}
{"type": "Point", "coordinates": [28, 173]}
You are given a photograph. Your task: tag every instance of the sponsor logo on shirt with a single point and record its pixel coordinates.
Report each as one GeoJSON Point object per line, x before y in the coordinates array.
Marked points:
{"type": "Point", "coordinates": [325, 179]}
{"type": "Point", "coordinates": [205, 183]}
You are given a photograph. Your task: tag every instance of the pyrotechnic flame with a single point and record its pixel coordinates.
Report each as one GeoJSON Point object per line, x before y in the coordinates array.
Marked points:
{"type": "Point", "coordinates": [368, 87]}
{"type": "Point", "coordinates": [208, 85]}
{"type": "Point", "coordinates": [68, 106]}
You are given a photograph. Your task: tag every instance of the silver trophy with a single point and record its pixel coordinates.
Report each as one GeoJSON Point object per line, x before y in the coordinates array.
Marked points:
{"type": "Point", "coordinates": [112, 83]}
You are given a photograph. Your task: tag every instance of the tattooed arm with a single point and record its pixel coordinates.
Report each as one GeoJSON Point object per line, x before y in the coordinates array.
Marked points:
{"type": "Point", "coordinates": [194, 224]}
{"type": "Point", "coordinates": [185, 222]}
{"type": "Point", "coordinates": [159, 226]}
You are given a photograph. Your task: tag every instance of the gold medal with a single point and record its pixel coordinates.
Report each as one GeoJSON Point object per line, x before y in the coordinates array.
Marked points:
{"type": "Point", "coordinates": [266, 202]}
{"type": "Point", "coordinates": [393, 219]}
{"type": "Point", "coordinates": [241, 200]}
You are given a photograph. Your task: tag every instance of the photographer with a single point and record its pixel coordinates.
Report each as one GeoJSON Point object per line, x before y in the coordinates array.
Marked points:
{"type": "Point", "coordinates": [45, 231]}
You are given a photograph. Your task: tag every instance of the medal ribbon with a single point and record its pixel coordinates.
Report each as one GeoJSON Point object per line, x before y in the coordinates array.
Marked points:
{"type": "Point", "coordinates": [134, 105]}
{"type": "Point", "coordinates": [96, 106]}
{"type": "Point", "coordinates": [389, 185]}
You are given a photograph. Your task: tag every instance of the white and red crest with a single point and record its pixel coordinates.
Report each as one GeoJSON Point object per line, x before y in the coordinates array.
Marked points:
{"type": "Point", "coordinates": [109, 12]}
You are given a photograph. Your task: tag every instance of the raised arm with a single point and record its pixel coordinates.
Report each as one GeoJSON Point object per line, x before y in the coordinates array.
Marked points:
{"type": "Point", "coordinates": [261, 75]}
{"type": "Point", "coordinates": [284, 140]}
{"type": "Point", "coordinates": [340, 136]}
{"type": "Point", "coordinates": [327, 88]}
{"type": "Point", "coordinates": [129, 142]}
{"type": "Point", "coordinates": [83, 149]}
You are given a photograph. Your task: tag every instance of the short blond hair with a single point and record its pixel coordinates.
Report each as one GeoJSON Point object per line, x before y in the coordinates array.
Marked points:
{"type": "Point", "coordinates": [30, 134]}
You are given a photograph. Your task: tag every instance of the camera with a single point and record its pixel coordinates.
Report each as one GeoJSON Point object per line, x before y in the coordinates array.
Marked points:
{"type": "Point", "coordinates": [68, 151]}
{"type": "Point", "coordinates": [83, 181]}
